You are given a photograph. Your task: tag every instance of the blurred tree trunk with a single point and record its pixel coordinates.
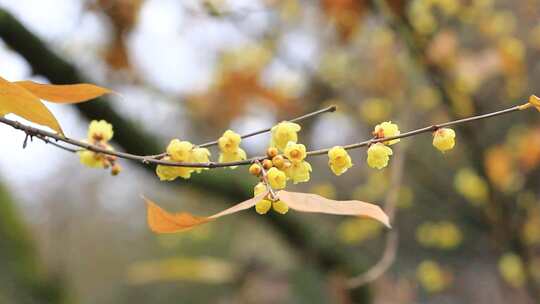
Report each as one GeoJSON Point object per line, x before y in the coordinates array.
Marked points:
{"type": "Point", "coordinates": [22, 280]}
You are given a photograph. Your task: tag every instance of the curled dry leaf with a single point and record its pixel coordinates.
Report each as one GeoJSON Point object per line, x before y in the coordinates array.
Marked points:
{"type": "Point", "coordinates": [161, 221]}
{"type": "Point", "coordinates": [308, 202]}
{"type": "Point", "coordinates": [65, 93]}
{"type": "Point", "coordinates": [16, 100]}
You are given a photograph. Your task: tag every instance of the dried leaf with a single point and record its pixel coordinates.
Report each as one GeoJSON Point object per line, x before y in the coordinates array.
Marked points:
{"type": "Point", "coordinates": [308, 202]}
{"type": "Point", "coordinates": [65, 93]}
{"type": "Point", "coordinates": [161, 221]}
{"type": "Point", "coordinates": [15, 99]}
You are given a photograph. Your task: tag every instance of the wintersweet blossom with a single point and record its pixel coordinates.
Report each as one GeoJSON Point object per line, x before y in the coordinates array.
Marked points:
{"type": "Point", "coordinates": [200, 155]}
{"type": "Point", "coordinates": [276, 178]}
{"type": "Point", "coordinates": [283, 133]}
{"type": "Point", "coordinates": [299, 172]}
{"type": "Point", "coordinates": [229, 142]}
{"type": "Point", "coordinates": [179, 151]}
{"type": "Point", "coordinates": [444, 139]}
{"type": "Point", "coordinates": [263, 206]}
{"type": "Point", "coordinates": [387, 129]}
{"type": "Point", "coordinates": [280, 207]}
{"type": "Point", "coordinates": [100, 131]}
{"type": "Point", "coordinates": [295, 152]}
{"type": "Point", "coordinates": [170, 173]}
{"type": "Point", "coordinates": [378, 155]}
{"type": "Point", "coordinates": [339, 160]}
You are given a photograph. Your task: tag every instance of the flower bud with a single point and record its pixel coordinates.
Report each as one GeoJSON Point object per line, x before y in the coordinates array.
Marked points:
{"type": "Point", "coordinates": [278, 161]}
{"type": "Point", "coordinates": [263, 206]}
{"type": "Point", "coordinates": [267, 164]}
{"type": "Point", "coordinates": [444, 139]}
{"type": "Point", "coordinates": [116, 169]}
{"type": "Point", "coordinates": [272, 152]}
{"type": "Point", "coordinates": [255, 169]}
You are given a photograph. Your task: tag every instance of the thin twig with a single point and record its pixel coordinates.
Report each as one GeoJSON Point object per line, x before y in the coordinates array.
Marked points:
{"type": "Point", "coordinates": [392, 238]}
{"type": "Point", "coordinates": [431, 128]}
{"type": "Point", "coordinates": [273, 195]}
{"type": "Point", "coordinates": [329, 109]}
{"type": "Point", "coordinates": [47, 141]}
{"type": "Point", "coordinates": [149, 160]}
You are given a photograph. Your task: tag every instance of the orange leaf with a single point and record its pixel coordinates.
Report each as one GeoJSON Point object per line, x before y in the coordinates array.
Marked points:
{"type": "Point", "coordinates": [161, 221]}
{"type": "Point", "coordinates": [307, 202]}
{"type": "Point", "coordinates": [14, 99]}
{"type": "Point", "coordinates": [65, 93]}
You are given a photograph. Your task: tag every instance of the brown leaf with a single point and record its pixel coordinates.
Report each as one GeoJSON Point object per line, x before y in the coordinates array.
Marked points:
{"type": "Point", "coordinates": [307, 202]}
{"type": "Point", "coordinates": [161, 221]}
{"type": "Point", "coordinates": [15, 99]}
{"type": "Point", "coordinates": [65, 93]}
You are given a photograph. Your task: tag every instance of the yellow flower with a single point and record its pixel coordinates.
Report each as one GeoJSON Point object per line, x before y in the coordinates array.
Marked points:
{"type": "Point", "coordinates": [535, 101]}
{"type": "Point", "coordinates": [295, 152]}
{"type": "Point", "coordinates": [511, 269]}
{"type": "Point", "coordinates": [91, 159]}
{"type": "Point", "coordinates": [387, 129]}
{"type": "Point", "coordinates": [444, 139]}
{"type": "Point", "coordinates": [284, 132]}
{"type": "Point", "coordinates": [229, 142]}
{"type": "Point", "coordinates": [431, 276]}
{"type": "Point", "coordinates": [169, 173]}
{"type": "Point", "coordinates": [263, 206]}
{"type": "Point", "coordinates": [280, 207]}
{"type": "Point", "coordinates": [99, 131]}
{"type": "Point", "coordinates": [299, 172]}
{"type": "Point", "coordinates": [339, 160]}
{"type": "Point", "coordinates": [179, 151]}
{"type": "Point", "coordinates": [276, 178]}
{"type": "Point", "coordinates": [378, 155]}
{"type": "Point", "coordinates": [259, 189]}
{"type": "Point", "coordinates": [200, 155]}
{"type": "Point", "coordinates": [237, 155]}
{"type": "Point", "coordinates": [95, 160]}
{"type": "Point", "coordinates": [473, 187]}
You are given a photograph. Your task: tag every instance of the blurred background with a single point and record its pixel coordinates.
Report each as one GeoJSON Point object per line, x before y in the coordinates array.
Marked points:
{"type": "Point", "coordinates": [467, 222]}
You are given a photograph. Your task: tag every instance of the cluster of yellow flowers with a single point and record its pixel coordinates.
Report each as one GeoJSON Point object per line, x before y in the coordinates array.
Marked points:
{"type": "Point", "coordinates": [286, 161]}
{"type": "Point", "coordinates": [99, 134]}
{"type": "Point", "coordinates": [379, 153]}
{"type": "Point", "coordinates": [182, 151]}
{"type": "Point", "coordinates": [286, 158]}
{"type": "Point", "coordinates": [280, 167]}
{"type": "Point", "coordinates": [264, 205]}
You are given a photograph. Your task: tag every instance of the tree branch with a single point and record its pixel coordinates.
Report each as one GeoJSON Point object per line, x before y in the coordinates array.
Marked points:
{"type": "Point", "coordinates": [31, 131]}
